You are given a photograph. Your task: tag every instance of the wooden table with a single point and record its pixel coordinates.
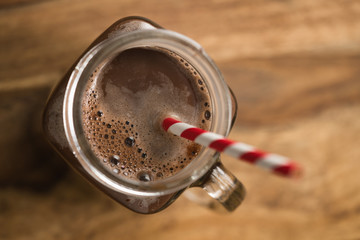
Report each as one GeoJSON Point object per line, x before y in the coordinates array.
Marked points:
{"type": "Point", "coordinates": [294, 67]}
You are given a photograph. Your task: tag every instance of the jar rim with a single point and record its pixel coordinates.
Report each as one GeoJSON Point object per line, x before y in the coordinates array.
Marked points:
{"type": "Point", "coordinates": [181, 45]}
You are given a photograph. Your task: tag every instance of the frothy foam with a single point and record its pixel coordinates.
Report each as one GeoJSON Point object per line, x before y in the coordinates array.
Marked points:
{"type": "Point", "coordinates": [124, 103]}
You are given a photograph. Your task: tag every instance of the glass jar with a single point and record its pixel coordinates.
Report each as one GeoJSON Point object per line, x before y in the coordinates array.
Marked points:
{"type": "Point", "coordinates": [64, 127]}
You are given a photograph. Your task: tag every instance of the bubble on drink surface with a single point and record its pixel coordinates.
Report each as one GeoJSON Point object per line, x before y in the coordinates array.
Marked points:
{"type": "Point", "coordinates": [207, 114]}
{"type": "Point", "coordinates": [145, 176]}
{"type": "Point", "coordinates": [115, 159]}
{"type": "Point", "coordinates": [129, 141]}
{"type": "Point", "coordinates": [100, 113]}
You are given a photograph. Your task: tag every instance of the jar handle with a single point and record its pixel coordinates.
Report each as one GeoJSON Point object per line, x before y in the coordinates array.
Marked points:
{"type": "Point", "coordinates": [222, 186]}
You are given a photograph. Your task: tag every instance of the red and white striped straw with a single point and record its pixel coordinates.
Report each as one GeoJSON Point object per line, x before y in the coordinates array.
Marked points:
{"type": "Point", "coordinates": [272, 162]}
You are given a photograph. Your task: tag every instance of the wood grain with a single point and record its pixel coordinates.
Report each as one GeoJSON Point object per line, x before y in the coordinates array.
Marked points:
{"type": "Point", "coordinates": [294, 68]}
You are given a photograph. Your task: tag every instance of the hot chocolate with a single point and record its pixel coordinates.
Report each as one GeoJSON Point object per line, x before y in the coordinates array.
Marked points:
{"type": "Point", "coordinates": [123, 105]}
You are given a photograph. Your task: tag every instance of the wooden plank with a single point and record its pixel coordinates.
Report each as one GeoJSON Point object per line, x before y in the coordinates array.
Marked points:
{"type": "Point", "coordinates": [54, 33]}
{"type": "Point", "coordinates": [278, 90]}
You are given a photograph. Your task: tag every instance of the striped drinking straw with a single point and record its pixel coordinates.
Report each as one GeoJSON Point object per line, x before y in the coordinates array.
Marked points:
{"type": "Point", "coordinates": [271, 162]}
